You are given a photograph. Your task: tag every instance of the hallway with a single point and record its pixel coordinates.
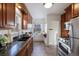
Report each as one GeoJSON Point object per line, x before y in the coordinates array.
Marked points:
{"type": "Point", "coordinates": [39, 49]}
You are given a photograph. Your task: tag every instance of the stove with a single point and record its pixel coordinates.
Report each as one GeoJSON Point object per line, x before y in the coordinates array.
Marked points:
{"type": "Point", "coordinates": [63, 48]}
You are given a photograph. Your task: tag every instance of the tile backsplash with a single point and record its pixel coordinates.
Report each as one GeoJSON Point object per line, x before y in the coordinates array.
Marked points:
{"type": "Point", "coordinates": [12, 33]}
{"type": "Point", "coordinates": [2, 32]}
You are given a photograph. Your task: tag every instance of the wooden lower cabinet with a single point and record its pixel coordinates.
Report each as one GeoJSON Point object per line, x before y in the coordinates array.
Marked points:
{"type": "Point", "coordinates": [27, 49]}
{"type": "Point", "coordinates": [22, 52]}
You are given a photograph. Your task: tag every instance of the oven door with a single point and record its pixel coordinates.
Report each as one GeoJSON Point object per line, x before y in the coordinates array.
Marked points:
{"type": "Point", "coordinates": [63, 49]}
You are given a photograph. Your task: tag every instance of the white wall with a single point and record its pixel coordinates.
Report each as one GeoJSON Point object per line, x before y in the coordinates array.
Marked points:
{"type": "Point", "coordinates": [39, 21]}
{"type": "Point", "coordinates": [53, 24]}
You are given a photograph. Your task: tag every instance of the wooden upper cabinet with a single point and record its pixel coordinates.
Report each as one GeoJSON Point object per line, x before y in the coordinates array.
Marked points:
{"type": "Point", "coordinates": [7, 15]}
{"type": "Point", "coordinates": [69, 12]}
{"type": "Point", "coordinates": [64, 33]}
{"type": "Point", "coordinates": [72, 11]}
{"type": "Point", "coordinates": [75, 9]}
{"type": "Point", "coordinates": [29, 18]}
{"type": "Point", "coordinates": [22, 7]}
{"type": "Point", "coordinates": [62, 24]}
{"type": "Point", "coordinates": [26, 17]}
{"type": "Point", "coordinates": [1, 16]}
{"type": "Point", "coordinates": [10, 14]}
{"type": "Point", "coordinates": [24, 21]}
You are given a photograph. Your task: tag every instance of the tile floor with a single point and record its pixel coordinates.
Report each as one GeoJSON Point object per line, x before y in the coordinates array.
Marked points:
{"type": "Point", "coordinates": [39, 49]}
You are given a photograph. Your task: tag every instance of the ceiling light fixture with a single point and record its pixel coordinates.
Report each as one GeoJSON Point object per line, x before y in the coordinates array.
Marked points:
{"type": "Point", "coordinates": [19, 6]}
{"type": "Point", "coordinates": [48, 5]}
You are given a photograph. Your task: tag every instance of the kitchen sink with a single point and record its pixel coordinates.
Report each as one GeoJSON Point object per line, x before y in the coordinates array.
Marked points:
{"type": "Point", "coordinates": [23, 38]}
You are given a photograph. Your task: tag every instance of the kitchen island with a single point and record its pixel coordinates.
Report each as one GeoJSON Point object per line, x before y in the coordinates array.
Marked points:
{"type": "Point", "coordinates": [18, 48]}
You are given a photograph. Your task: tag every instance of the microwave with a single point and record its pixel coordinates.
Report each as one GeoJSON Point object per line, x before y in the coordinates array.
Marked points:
{"type": "Point", "coordinates": [67, 25]}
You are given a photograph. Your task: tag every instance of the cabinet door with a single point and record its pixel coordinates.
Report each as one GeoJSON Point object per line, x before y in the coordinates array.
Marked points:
{"type": "Point", "coordinates": [29, 18]}
{"type": "Point", "coordinates": [1, 18]}
{"type": "Point", "coordinates": [10, 14]}
{"type": "Point", "coordinates": [22, 52]}
{"type": "Point", "coordinates": [62, 25]}
{"type": "Point", "coordinates": [24, 21]}
{"type": "Point", "coordinates": [29, 48]}
{"type": "Point", "coordinates": [64, 33]}
{"type": "Point", "coordinates": [69, 12]}
{"type": "Point", "coordinates": [76, 9]}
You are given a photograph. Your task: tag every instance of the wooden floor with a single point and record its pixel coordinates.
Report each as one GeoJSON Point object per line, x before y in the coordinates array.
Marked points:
{"type": "Point", "coordinates": [39, 49]}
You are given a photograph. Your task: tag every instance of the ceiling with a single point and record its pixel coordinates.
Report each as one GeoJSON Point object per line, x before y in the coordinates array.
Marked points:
{"type": "Point", "coordinates": [38, 11]}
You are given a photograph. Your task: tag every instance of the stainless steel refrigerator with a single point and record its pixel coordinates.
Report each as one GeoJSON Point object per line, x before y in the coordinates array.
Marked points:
{"type": "Point", "coordinates": [74, 36]}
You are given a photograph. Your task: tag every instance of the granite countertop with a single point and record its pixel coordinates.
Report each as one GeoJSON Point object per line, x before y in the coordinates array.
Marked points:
{"type": "Point", "coordinates": [13, 49]}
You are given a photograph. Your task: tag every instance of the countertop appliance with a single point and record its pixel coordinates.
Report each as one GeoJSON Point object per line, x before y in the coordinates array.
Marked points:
{"type": "Point", "coordinates": [73, 27]}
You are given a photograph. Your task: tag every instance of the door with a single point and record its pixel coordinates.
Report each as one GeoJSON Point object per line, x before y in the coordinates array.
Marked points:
{"type": "Point", "coordinates": [51, 40]}
{"type": "Point", "coordinates": [53, 30]}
